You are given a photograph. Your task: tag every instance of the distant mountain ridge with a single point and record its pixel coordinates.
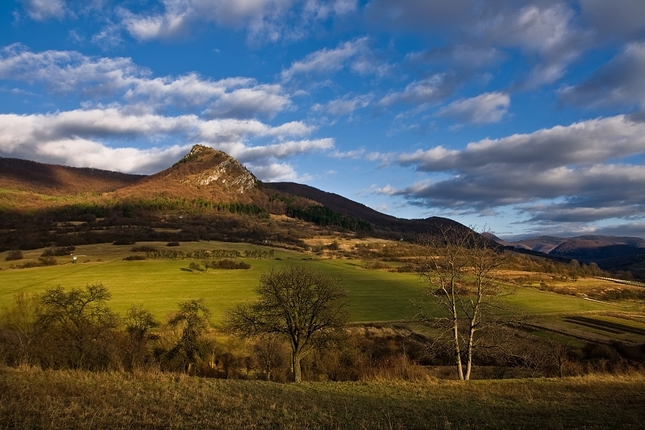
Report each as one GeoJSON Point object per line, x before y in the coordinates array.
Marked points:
{"type": "Point", "coordinates": [609, 252]}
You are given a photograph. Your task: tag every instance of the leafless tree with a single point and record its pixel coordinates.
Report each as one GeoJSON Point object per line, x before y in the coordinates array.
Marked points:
{"type": "Point", "coordinates": [304, 306]}
{"type": "Point", "coordinates": [457, 268]}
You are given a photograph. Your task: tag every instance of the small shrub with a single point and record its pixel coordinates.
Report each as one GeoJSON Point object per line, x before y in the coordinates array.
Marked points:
{"type": "Point", "coordinates": [58, 251]}
{"type": "Point", "coordinates": [48, 261]}
{"type": "Point", "coordinates": [144, 248]}
{"type": "Point", "coordinates": [134, 258]}
{"type": "Point", "coordinates": [230, 264]}
{"type": "Point", "coordinates": [14, 255]}
{"type": "Point", "coordinates": [333, 246]}
{"type": "Point", "coordinates": [193, 266]}
{"type": "Point", "coordinates": [173, 243]}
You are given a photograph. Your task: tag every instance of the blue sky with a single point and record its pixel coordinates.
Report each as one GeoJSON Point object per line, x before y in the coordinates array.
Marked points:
{"type": "Point", "coordinates": [525, 117]}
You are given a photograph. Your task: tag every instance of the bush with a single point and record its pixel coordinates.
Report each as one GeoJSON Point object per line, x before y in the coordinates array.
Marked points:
{"type": "Point", "coordinates": [134, 258]}
{"type": "Point", "coordinates": [58, 251]}
{"type": "Point", "coordinates": [173, 243]}
{"type": "Point", "coordinates": [48, 261]}
{"type": "Point", "coordinates": [143, 248]}
{"type": "Point", "coordinates": [193, 266]}
{"type": "Point", "coordinates": [14, 255]}
{"type": "Point", "coordinates": [230, 264]}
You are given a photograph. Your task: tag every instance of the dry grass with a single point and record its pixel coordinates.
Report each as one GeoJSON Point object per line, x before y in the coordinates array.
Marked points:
{"type": "Point", "coordinates": [78, 400]}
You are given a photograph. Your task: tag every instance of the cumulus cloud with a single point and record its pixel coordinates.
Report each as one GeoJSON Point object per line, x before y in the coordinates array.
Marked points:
{"type": "Point", "coordinates": [274, 172]}
{"type": "Point", "coordinates": [99, 138]}
{"type": "Point", "coordinates": [485, 108]}
{"type": "Point", "coordinates": [582, 143]}
{"type": "Point", "coordinates": [575, 165]}
{"type": "Point", "coordinates": [282, 150]}
{"type": "Point", "coordinates": [67, 71]}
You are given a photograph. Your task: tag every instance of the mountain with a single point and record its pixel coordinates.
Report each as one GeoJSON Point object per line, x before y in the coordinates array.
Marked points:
{"type": "Point", "coordinates": [593, 248]}
{"type": "Point", "coordinates": [613, 253]}
{"type": "Point", "coordinates": [203, 180]}
{"type": "Point", "coordinates": [351, 208]}
{"type": "Point", "coordinates": [203, 173]}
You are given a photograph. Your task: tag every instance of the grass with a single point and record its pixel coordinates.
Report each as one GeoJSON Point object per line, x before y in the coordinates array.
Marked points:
{"type": "Point", "coordinates": [34, 399]}
{"type": "Point", "coordinates": [158, 285]}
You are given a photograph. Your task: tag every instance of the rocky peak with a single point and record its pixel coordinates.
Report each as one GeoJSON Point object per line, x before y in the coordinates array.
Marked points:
{"type": "Point", "coordinates": [207, 167]}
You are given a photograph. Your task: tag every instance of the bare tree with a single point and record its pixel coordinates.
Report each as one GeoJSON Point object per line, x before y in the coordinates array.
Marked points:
{"type": "Point", "coordinates": [304, 306]}
{"type": "Point", "coordinates": [458, 268]}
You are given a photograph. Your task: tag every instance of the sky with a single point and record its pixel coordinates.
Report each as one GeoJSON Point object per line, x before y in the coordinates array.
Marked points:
{"type": "Point", "coordinates": [520, 117]}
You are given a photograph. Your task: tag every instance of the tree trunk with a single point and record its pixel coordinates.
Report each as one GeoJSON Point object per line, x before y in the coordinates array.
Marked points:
{"type": "Point", "coordinates": [469, 353]}
{"type": "Point", "coordinates": [455, 332]}
{"type": "Point", "coordinates": [297, 371]}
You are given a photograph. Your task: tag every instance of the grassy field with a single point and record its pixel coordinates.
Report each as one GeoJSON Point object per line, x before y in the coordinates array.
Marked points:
{"type": "Point", "coordinates": [158, 285]}
{"type": "Point", "coordinates": [33, 399]}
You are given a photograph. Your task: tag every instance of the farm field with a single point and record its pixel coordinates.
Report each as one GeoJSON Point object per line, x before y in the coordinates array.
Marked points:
{"type": "Point", "coordinates": [158, 285]}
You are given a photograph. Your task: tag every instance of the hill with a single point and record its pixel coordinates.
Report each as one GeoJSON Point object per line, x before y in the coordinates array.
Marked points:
{"type": "Point", "coordinates": [203, 173]}
{"type": "Point", "coordinates": [351, 208]}
{"type": "Point", "coordinates": [203, 182]}
{"type": "Point", "coordinates": [206, 195]}
{"type": "Point", "coordinates": [613, 253]}
{"type": "Point", "coordinates": [24, 175]}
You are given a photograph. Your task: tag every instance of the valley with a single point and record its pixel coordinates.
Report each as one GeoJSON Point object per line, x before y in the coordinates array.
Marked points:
{"type": "Point", "coordinates": [204, 234]}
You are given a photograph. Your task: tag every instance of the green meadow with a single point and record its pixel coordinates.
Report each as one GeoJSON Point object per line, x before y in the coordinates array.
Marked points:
{"type": "Point", "coordinates": [158, 285]}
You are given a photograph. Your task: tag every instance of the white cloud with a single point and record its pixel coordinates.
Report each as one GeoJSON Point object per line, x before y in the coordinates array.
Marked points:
{"type": "Point", "coordinates": [485, 108]}
{"type": "Point", "coordinates": [582, 143]}
{"type": "Point", "coordinates": [274, 172]}
{"type": "Point", "coordinates": [323, 9]}
{"type": "Point", "coordinates": [67, 71]}
{"type": "Point", "coordinates": [41, 10]}
{"type": "Point", "coordinates": [427, 90]}
{"type": "Point", "coordinates": [282, 149]}
{"type": "Point", "coordinates": [578, 166]}
{"type": "Point", "coordinates": [343, 106]}
{"type": "Point", "coordinates": [326, 60]}
{"type": "Point", "coordinates": [264, 20]}
{"type": "Point", "coordinates": [99, 138]}
{"type": "Point", "coordinates": [109, 37]}
{"type": "Point", "coordinates": [543, 29]}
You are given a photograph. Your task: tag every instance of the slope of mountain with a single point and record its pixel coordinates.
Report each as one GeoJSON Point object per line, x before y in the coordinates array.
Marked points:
{"type": "Point", "coordinates": [349, 207]}
{"type": "Point", "coordinates": [202, 173]}
{"type": "Point", "coordinates": [24, 175]}
{"type": "Point", "coordinates": [543, 244]}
